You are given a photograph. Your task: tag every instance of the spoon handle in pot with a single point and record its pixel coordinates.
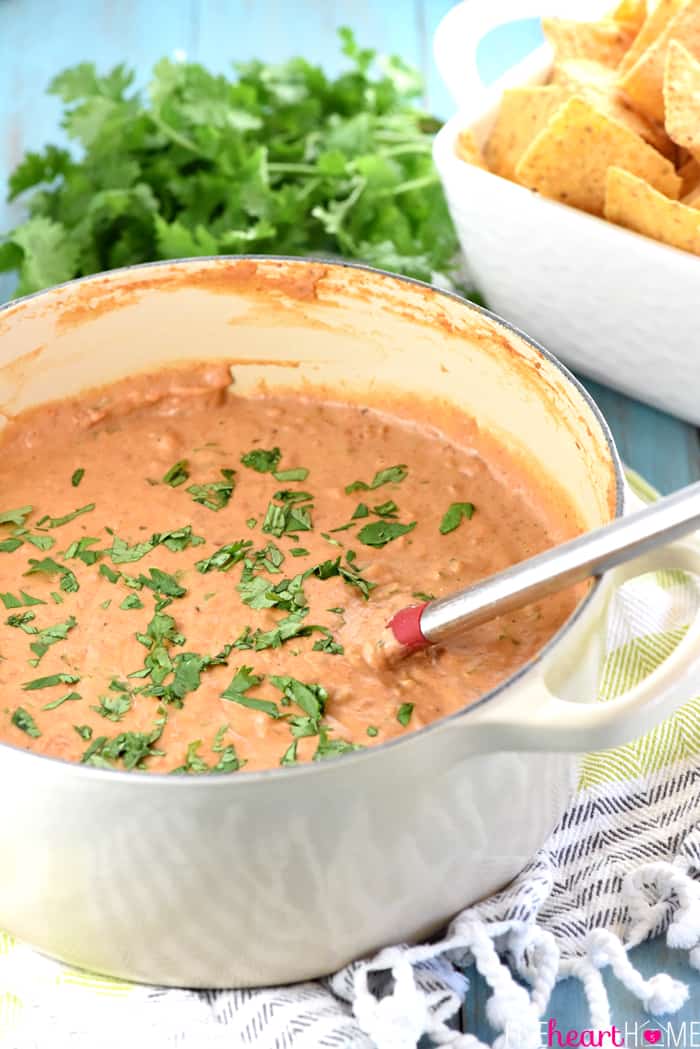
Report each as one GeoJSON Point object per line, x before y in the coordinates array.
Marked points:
{"type": "Point", "coordinates": [553, 570]}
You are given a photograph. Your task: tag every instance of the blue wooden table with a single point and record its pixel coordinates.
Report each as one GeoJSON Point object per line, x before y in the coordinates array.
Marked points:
{"type": "Point", "coordinates": [40, 37]}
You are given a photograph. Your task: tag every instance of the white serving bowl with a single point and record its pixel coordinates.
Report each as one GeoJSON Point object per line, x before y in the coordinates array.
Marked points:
{"type": "Point", "coordinates": [615, 305]}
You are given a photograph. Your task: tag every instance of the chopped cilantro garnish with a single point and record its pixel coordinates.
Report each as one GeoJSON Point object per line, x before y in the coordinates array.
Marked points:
{"type": "Point", "coordinates": [109, 573]}
{"type": "Point", "coordinates": [379, 533]}
{"type": "Point", "coordinates": [263, 461]}
{"type": "Point", "coordinates": [328, 644]}
{"type": "Point", "coordinates": [123, 553]}
{"type": "Point", "coordinates": [81, 550]}
{"type": "Point", "coordinates": [330, 748]}
{"type": "Point", "coordinates": [290, 517]}
{"type": "Point", "coordinates": [50, 681]}
{"type": "Point", "coordinates": [131, 601]}
{"type": "Point", "coordinates": [372, 730]}
{"type": "Point", "coordinates": [299, 551]}
{"type": "Point", "coordinates": [41, 542]}
{"type": "Point", "coordinates": [361, 510]}
{"type": "Point", "coordinates": [69, 697]}
{"type": "Point", "coordinates": [16, 517]}
{"type": "Point", "coordinates": [56, 522]}
{"type": "Point", "coordinates": [114, 707]}
{"type": "Point", "coordinates": [67, 582]}
{"type": "Point", "coordinates": [215, 495]}
{"type": "Point", "coordinates": [310, 698]}
{"type": "Point", "coordinates": [84, 731]}
{"type": "Point", "coordinates": [270, 558]}
{"type": "Point", "coordinates": [298, 473]}
{"type": "Point", "coordinates": [23, 720]}
{"type": "Point", "coordinates": [403, 714]}
{"type": "Point", "coordinates": [49, 636]}
{"type": "Point", "coordinates": [243, 680]}
{"type": "Point", "coordinates": [387, 509]}
{"type": "Point", "coordinates": [225, 557]}
{"type": "Point", "coordinates": [22, 620]}
{"type": "Point", "coordinates": [290, 627]}
{"type": "Point", "coordinates": [77, 477]}
{"type": "Point", "coordinates": [290, 755]}
{"type": "Point", "coordinates": [251, 522]}
{"type": "Point", "coordinates": [10, 601]}
{"type": "Point", "coordinates": [178, 539]}
{"type": "Point", "coordinates": [454, 516]}
{"type": "Point", "coordinates": [177, 474]}
{"type": "Point", "coordinates": [423, 596]}
{"type": "Point", "coordinates": [56, 598]}
{"type": "Point", "coordinates": [352, 575]}
{"type": "Point", "coordinates": [131, 748]}
{"type": "Point", "coordinates": [162, 583]}
{"type": "Point", "coordinates": [8, 546]}
{"type": "Point", "coordinates": [391, 475]}
{"type": "Point", "coordinates": [193, 762]}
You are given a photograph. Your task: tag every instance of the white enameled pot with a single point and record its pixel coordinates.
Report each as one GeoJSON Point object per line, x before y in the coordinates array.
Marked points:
{"type": "Point", "coordinates": [269, 877]}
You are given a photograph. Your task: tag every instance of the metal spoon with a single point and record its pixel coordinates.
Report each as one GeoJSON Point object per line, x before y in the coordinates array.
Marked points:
{"type": "Point", "coordinates": [588, 555]}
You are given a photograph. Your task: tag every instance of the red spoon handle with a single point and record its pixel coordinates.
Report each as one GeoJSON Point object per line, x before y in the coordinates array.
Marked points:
{"type": "Point", "coordinates": [405, 626]}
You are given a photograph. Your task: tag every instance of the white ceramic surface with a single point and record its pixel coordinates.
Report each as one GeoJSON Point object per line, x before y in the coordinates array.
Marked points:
{"type": "Point", "coordinates": [270, 877]}
{"type": "Point", "coordinates": [614, 305]}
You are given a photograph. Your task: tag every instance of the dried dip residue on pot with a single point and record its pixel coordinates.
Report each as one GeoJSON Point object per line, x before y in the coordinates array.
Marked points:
{"type": "Point", "coordinates": [195, 581]}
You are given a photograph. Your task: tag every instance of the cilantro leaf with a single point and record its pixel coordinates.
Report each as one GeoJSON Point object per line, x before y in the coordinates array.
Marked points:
{"type": "Point", "coordinates": [225, 557]}
{"type": "Point", "coordinates": [390, 475]}
{"type": "Point", "coordinates": [243, 680]}
{"type": "Point", "coordinates": [454, 515]}
{"type": "Point", "coordinates": [277, 157]}
{"type": "Point", "coordinates": [403, 714]}
{"type": "Point", "coordinates": [15, 517]}
{"type": "Point", "coordinates": [69, 697]}
{"type": "Point", "coordinates": [77, 476]}
{"type": "Point", "coordinates": [56, 522]}
{"type": "Point", "coordinates": [379, 533]}
{"type": "Point", "coordinates": [23, 720]}
{"type": "Point", "coordinates": [215, 495]}
{"type": "Point", "coordinates": [49, 636]}
{"type": "Point", "coordinates": [177, 474]}
{"type": "Point", "coordinates": [261, 460]}
{"type": "Point", "coordinates": [50, 681]}
{"type": "Point", "coordinates": [47, 566]}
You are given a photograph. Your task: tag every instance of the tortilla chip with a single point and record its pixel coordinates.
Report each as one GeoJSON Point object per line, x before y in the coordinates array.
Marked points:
{"type": "Point", "coordinates": [467, 149]}
{"type": "Point", "coordinates": [633, 12]}
{"type": "Point", "coordinates": [633, 203]}
{"type": "Point", "coordinates": [606, 41]}
{"type": "Point", "coordinates": [690, 176]}
{"type": "Point", "coordinates": [656, 21]}
{"type": "Point", "coordinates": [524, 111]}
{"type": "Point", "coordinates": [643, 84]}
{"type": "Point", "coordinates": [682, 97]}
{"type": "Point", "coordinates": [569, 158]}
{"type": "Point", "coordinates": [598, 84]}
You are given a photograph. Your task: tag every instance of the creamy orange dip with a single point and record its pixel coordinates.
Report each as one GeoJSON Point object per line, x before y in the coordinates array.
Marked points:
{"type": "Point", "coordinates": [193, 580]}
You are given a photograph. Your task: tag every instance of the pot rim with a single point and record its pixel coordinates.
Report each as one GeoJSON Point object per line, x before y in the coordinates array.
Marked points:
{"type": "Point", "coordinates": [136, 776]}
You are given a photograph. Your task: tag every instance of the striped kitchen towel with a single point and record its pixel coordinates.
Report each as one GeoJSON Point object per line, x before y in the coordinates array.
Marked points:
{"type": "Point", "coordinates": [623, 865]}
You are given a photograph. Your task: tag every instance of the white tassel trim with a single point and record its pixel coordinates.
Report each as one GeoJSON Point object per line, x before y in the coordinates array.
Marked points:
{"type": "Point", "coordinates": [656, 894]}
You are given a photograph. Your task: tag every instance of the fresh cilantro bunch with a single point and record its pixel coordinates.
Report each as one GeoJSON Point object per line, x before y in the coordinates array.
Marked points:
{"type": "Point", "coordinates": [280, 160]}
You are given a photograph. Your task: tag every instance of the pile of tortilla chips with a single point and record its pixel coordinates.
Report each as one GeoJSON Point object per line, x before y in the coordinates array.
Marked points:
{"type": "Point", "coordinates": [616, 130]}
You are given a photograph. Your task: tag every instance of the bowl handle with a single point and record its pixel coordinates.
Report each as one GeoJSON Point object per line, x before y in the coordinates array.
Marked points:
{"type": "Point", "coordinates": [480, 43]}
{"type": "Point", "coordinates": [533, 718]}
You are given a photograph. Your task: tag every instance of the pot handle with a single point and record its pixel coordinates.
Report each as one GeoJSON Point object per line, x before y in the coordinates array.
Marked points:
{"type": "Point", "coordinates": [535, 719]}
